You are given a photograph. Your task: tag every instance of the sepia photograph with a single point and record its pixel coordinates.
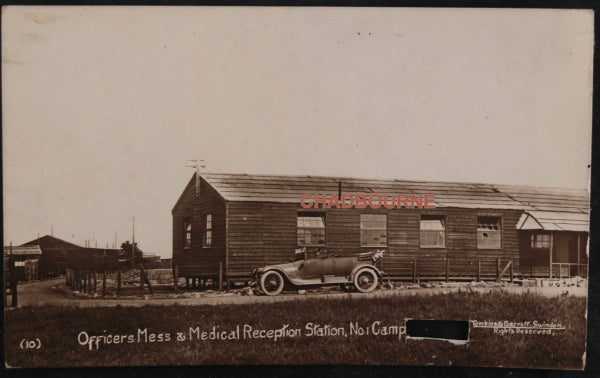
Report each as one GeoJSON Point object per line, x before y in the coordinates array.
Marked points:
{"type": "Point", "coordinates": [209, 185]}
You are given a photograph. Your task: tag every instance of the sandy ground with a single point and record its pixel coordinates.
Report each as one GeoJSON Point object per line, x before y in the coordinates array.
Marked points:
{"type": "Point", "coordinates": [53, 292]}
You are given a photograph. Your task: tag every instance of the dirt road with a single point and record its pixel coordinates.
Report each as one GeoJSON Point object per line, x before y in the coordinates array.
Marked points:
{"type": "Point", "coordinates": [52, 292]}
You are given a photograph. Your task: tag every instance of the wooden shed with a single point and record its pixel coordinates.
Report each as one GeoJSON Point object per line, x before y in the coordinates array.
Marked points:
{"type": "Point", "coordinates": [24, 260]}
{"type": "Point", "coordinates": [238, 222]}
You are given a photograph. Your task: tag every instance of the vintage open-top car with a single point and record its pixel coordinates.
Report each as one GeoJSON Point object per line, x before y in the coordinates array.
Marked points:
{"type": "Point", "coordinates": [357, 271]}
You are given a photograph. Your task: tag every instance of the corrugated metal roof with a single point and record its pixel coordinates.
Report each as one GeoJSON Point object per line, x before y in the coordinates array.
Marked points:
{"type": "Point", "coordinates": [22, 250]}
{"type": "Point", "coordinates": [289, 189]}
{"type": "Point", "coordinates": [554, 221]}
{"type": "Point", "coordinates": [549, 199]}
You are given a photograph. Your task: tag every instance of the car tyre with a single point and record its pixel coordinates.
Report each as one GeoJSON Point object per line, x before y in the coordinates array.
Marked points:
{"type": "Point", "coordinates": [365, 280]}
{"type": "Point", "coordinates": [272, 282]}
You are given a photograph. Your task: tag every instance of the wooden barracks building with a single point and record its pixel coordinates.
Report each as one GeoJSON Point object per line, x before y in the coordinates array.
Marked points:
{"type": "Point", "coordinates": [238, 222]}
{"type": "Point", "coordinates": [57, 255]}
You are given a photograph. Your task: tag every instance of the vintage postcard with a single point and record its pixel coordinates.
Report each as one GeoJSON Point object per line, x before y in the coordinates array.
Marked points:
{"type": "Point", "coordinates": [296, 185]}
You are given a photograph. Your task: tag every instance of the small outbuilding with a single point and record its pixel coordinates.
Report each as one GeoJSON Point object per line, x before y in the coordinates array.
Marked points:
{"type": "Point", "coordinates": [25, 260]}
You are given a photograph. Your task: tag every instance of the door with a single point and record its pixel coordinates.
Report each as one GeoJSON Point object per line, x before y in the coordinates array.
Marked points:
{"type": "Point", "coordinates": [561, 248]}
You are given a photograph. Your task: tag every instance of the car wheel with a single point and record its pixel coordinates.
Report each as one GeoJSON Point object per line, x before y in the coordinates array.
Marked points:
{"type": "Point", "coordinates": [366, 280]}
{"type": "Point", "coordinates": [271, 283]}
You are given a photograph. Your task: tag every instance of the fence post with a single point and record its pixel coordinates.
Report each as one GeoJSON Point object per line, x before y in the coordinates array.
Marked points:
{"type": "Point", "coordinates": [559, 271]}
{"type": "Point", "coordinates": [550, 253]}
{"type": "Point", "coordinates": [220, 276]}
{"type": "Point", "coordinates": [478, 270]}
{"type": "Point", "coordinates": [14, 290]}
{"type": "Point", "coordinates": [104, 282]}
{"type": "Point", "coordinates": [141, 280]}
{"type": "Point", "coordinates": [147, 281]}
{"type": "Point", "coordinates": [498, 269]}
{"type": "Point", "coordinates": [95, 281]}
{"type": "Point", "coordinates": [13, 283]}
{"type": "Point", "coordinates": [414, 269]}
{"type": "Point", "coordinates": [578, 256]}
{"type": "Point", "coordinates": [511, 270]}
{"type": "Point", "coordinates": [447, 267]}
{"type": "Point", "coordinates": [118, 281]}
{"type": "Point", "coordinates": [176, 276]}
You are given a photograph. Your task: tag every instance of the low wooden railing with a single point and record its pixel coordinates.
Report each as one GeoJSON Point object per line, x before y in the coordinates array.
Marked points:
{"type": "Point", "coordinates": [568, 270]}
{"type": "Point", "coordinates": [448, 269]}
{"type": "Point", "coordinates": [479, 269]}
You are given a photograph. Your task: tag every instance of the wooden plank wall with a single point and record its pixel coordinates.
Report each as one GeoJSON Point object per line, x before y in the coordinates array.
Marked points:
{"type": "Point", "coordinates": [461, 240]}
{"type": "Point", "coordinates": [262, 233]}
{"type": "Point", "coordinates": [197, 260]}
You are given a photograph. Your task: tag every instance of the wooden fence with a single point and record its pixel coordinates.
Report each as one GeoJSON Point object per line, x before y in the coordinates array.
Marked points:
{"type": "Point", "coordinates": [479, 269]}
{"type": "Point", "coordinates": [86, 281]}
{"type": "Point", "coordinates": [567, 270]}
{"type": "Point", "coordinates": [94, 282]}
{"type": "Point", "coordinates": [414, 269]}
{"type": "Point", "coordinates": [449, 269]}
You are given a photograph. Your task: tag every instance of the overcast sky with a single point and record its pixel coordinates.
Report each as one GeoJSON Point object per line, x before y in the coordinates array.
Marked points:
{"type": "Point", "coordinates": [102, 106]}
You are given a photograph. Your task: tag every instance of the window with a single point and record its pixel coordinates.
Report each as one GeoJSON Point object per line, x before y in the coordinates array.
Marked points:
{"type": "Point", "coordinates": [187, 226]}
{"type": "Point", "coordinates": [311, 229]}
{"type": "Point", "coordinates": [540, 241]}
{"type": "Point", "coordinates": [373, 230]}
{"type": "Point", "coordinates": [433, 231]}
{"type": "Point", "coordinates": [489, 233]}
{"type": "Point", "coordinates": [208, 231]}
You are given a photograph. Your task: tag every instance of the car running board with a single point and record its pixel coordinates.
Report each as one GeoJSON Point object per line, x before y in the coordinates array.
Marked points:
{"type": "Point", "coordinates": [334, 279]}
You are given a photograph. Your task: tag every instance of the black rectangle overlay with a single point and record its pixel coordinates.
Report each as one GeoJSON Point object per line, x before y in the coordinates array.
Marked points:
{"type": "Point", "coordinates": [438, 329]}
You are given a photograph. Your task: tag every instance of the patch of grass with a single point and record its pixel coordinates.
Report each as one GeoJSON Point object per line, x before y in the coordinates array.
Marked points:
{"type": "Point", "coordinates": [58, 328]}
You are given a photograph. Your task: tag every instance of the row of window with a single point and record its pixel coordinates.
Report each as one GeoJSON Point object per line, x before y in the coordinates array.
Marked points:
{"type": "Point", "coordinates": [207, 234]}
{"type": "Point", "coordinates": [373, 231]}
